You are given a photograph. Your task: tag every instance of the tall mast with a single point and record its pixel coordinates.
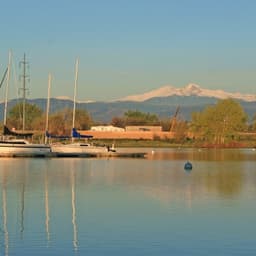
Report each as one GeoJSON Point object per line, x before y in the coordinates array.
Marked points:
{"type": "Point", "coordinates": [48, 106]}
{"type": "Point", "coordinates": [7, 87]}
{"type": "Point", "coordinates": [75, 89]}
{"type": "Point", "coordinates": [24, 76]}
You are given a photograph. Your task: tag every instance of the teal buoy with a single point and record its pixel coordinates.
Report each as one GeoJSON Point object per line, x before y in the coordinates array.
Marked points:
{"type": "Point", "coordinates": [188, 166]}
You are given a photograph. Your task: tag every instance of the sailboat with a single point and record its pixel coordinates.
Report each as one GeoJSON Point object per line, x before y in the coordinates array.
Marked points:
{"type": "Point", "coordinates": [76, 149]}
{"type": "Point", "coordinates": [13, 143]}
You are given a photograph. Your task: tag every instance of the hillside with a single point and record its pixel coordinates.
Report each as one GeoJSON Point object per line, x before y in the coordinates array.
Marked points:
{"type": "Point", "coordinates": [163, 106]}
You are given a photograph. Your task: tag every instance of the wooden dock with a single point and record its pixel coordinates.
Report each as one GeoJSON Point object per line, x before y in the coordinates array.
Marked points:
{"type": "Point", "coordinates": [102, 155]}
{"type": "Point", "coordinates": [122, 154]}
{"type": "Point", "coordinates": [78, 155]}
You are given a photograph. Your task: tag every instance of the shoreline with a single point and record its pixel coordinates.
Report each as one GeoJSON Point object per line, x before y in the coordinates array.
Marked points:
{"type": "Point", "coordinates": [168, 144]}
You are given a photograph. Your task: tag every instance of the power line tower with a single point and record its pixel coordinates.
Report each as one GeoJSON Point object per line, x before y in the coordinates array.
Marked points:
{"type": "Point", "coordinates": [174, 119]}
{"type": "Point", "coordinates": [24, 77]}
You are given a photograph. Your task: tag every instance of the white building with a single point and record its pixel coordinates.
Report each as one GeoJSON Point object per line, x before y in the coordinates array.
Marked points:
{"type": "Point", "coordinates": [107, 128]}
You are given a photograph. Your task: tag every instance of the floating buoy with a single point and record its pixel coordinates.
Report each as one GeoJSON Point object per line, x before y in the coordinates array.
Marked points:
{"type": "Point", "coordinates": [188, 166]}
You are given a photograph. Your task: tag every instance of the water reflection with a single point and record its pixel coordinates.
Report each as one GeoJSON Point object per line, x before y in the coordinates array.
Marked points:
{"type": "Point", "coordinates": [73, 203]}
{"type": "Point", "coordinates": [70, 203]}
{"type": "Point", "coordinates": [47, 211]}
{"type": "Point", "coordinates": [22, 208]}
{"type": "Point", "coordinates": [203, 154]}
{"type": "Point", "coordinates": [4, 212]}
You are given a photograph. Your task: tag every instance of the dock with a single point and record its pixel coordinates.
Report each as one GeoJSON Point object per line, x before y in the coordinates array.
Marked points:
{"type": "Point", "coordinates": [103, 155]}
{"type": "Point", "coordinates": [77, 155]}
{"type": "Point", "coordinates": [122, 154]}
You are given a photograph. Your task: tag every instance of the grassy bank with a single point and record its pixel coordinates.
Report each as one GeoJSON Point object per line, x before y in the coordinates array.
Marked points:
{"type": "Point", "coordinates": [142, 143]}
{"type": "Point", "coordinates": [171, 144]}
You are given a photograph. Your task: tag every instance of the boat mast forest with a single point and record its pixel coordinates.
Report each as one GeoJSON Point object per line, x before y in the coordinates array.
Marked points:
{"type": "Point", "coordinates": [6, 130]}
{"type": "Point", "coordinates": [11, 145]}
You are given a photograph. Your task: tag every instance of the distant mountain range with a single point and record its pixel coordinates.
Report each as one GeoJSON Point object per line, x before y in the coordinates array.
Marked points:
{"type": "Point", "coordinates": [189, 90]}
{"type": "Point", "coordinates": [163, 102]}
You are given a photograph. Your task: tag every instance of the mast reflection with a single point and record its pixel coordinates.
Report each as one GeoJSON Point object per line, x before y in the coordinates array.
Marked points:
{"type": "Point", "coordinates": [73, 204]}
{"type": "Point", "coordinates": [5, 229]}
{"type": "Point", "coordinates": [46, 204]}
{"type": "Point", "coordinates": [22, 210]}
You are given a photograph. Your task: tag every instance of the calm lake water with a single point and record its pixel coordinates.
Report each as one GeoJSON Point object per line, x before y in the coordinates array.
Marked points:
{"type": "Point", "coordinates": [132, 207]}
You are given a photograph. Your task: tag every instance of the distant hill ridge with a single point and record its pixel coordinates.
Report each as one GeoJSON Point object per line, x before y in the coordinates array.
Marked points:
{"type": "Point", "coordinates": [162, 102]}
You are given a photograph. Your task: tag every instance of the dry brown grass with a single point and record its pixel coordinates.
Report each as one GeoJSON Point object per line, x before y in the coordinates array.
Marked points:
{"type": "Point", "coordinates": [144, 135]}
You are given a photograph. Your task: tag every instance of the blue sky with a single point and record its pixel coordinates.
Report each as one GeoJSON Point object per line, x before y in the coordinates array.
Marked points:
{"type": "Point", "coordinates": [131, 47]}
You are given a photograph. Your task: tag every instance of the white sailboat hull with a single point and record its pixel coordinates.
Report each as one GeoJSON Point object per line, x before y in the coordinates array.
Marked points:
{"type": "Point", "coordinates": [9, 149]}
{"type": "Point", "coordinates": [78, 148]}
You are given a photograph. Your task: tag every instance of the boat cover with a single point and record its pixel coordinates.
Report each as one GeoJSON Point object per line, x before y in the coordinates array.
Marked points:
{"type": "Point", "coordinates": [7, 131]}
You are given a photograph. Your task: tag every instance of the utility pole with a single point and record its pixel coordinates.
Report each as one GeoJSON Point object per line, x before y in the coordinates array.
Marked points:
{"type": "Point", "coordinates": [24, 89]}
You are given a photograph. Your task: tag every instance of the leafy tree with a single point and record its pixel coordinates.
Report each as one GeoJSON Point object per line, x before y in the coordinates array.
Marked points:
{"type": "Point", "coordinates": [219, 122]}
{"type": "Point", "coordinates": [135, 118]}
{"type": "Point", "coordinates": [140, 118]}
{"type": "Point", "coordinates": [60, 123]}
{"type": "Point", "coordinates": [32, 114]}
{"type": "Point", "coordinates": [253, 127]}
{"type": "Point", "coordinates": [83, 120]}
{"type": "Point", "coordinates": [181, 131]}
{"type": "Point", "coordinates": [166, 124]}
{"type": "Point", "coordinates": [118, 122]}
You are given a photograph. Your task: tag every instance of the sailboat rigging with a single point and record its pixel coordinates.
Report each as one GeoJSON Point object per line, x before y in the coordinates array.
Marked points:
{"type": "Point", "coordinates": [76, 148]}
{"type": "Point", "coordinates": [13, 147]}
{"type": "Point", "coordinates": [4, 76]}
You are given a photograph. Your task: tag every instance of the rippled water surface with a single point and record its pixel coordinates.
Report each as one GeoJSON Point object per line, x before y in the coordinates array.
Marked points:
{"type": "Point", "coordinates": [131, 206]}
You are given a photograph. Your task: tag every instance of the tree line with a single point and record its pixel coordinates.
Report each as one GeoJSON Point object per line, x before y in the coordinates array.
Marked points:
{"type": "Point", "coordinates": [218, 123]}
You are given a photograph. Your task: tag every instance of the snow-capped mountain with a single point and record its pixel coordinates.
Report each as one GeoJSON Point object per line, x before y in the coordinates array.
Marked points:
{"type": "Point", "coordinates": [189, 90]}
